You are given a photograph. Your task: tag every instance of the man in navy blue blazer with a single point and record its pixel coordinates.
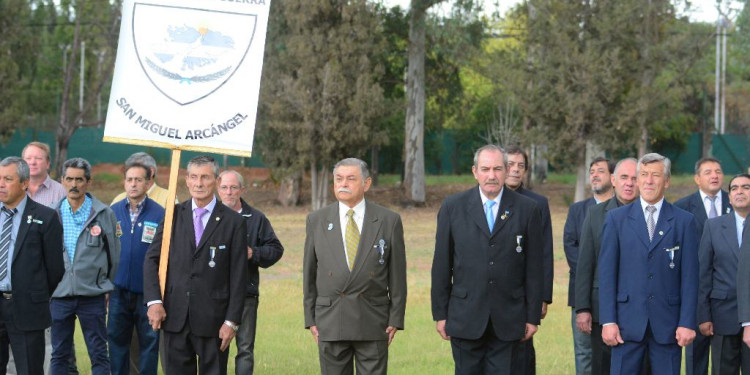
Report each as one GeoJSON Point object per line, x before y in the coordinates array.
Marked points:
{"type": "Point", "coordinates": [708, 202]}
{"type": "Point", "coordinates": [719, 255]}
{"type": "Point", "coordinates": [648, 276]}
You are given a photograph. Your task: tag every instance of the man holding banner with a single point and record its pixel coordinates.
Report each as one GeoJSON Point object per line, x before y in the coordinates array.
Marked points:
{"type": "Point", "coordinates": [205, 283]}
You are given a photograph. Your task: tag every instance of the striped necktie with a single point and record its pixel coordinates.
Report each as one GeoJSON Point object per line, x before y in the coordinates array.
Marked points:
{"type": "Point", "coordinates": [5, 241]}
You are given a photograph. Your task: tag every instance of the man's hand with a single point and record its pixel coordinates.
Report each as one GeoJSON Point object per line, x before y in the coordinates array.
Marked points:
{"type": "Point", "coordinates": [530, 331]}
{"type": "Point", "coordinates": [684, 336]}
{"type": "Point", "coordinates": [706, 328]}
{"type": "Point", "coordinates": [611, 335]}
{"type": "Point", "coordinates": [391, 331]}
{"type": "Point", "coordinates": [544, 309]}
{"type": "Point", "coordinates": [156, 315]}
{"type": "Point", "coordinates": [746, 335]}
{"type": "Point", "coordinates": [441, 329]}
{"type": "Point", "coordinates": [249, 253]}
{"type": "Point", "coordinates": [314, 331]}
{"type": "Point", "coordinates": [226, 334]}
{"type": "Point", "coordinates": [583, 322]}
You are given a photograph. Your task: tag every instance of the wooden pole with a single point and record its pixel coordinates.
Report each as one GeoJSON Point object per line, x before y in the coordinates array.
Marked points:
{"type": "Point", "coordinates": [168, 219]}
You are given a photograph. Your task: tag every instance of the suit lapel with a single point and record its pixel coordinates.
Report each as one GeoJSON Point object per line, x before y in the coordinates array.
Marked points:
{"type": "Point", "coordinates": [334, 235]}
{"type": "Point", "coordinates": [698, 209]}
{"type": "Point", "coordinates": [663, 225]}
{"type": "Point", "coordinates": [186, 211]}
{"type": "Point", "coordinates": [370, 231]}
{"type": "Point", "coordinates": [726, 207]}
{"type": "Point", "coordinates": [213, 222]}
{"type": "Point", "coordinates": [637, 223]}
{"type": "Point", "coordinates": [475, 211]}
{"type": "Point", "coordinates": [506, 205]}
{"type": "Point", "coordinates": [729, 232]}
{"type": "Point", "coordinates": [24, 228]}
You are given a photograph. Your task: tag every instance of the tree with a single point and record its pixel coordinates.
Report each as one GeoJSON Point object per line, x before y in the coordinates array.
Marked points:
{"type": "Point", "coordinates": [14, 45]}
{"type": "Point", "coordinates": [323, 95]}
{"type": "Point", "coordinates": [96, 26]}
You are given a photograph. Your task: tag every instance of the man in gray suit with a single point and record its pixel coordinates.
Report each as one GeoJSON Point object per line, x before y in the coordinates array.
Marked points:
{"type": "Point", "coordinates": [717, 291]}
{"type": "Point", "coordinates": [587, 285]}
{"type": "Point", "coordinates": [354, 276]}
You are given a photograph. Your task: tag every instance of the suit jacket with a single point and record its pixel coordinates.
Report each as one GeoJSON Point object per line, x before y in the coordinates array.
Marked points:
{"type": "Point", "coordinates": [587, 282]}
{"type": "Point", "coordinates": [718, 258]}
{"type": "Point", "coordinates": [694, 204]}
{"type": "Point", "coordinates": [478, 276]}
{"type": "Point", "coordinates": [37, 266]}
{"type": "Point", "coordinates": [743, 277]}
{"type": "Point", "coordinates": [548, 260]}
{"type": "Point", "coordinates": [572, 240]}
{"type": "Point", "coordinates": [637, 287]}
{"type": "Point", "coordinates": [267, 249]}
{"type": "Point", "coordinates": [196, 293]}
{"type": "Point", "coordinates": [358, 304]}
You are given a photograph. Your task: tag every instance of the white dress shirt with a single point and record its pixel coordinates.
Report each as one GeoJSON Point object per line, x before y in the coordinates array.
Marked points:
{"type": "Point", "coordinates": [707, 202]}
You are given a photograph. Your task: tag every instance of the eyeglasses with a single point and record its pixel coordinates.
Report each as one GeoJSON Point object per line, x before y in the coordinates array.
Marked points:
{"type": "Point", "coordinates": [230, 188]}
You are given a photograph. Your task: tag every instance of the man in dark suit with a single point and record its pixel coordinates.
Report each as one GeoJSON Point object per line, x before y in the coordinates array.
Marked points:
{"type": "Point", "coordinates": [31, 266]}
{"type": "Point", "coordinates": [587, 284]}
{"type": "Point", "coordinates": [354, 276]}
{"type": "Point", "coordinates": [743, 269]}
{"type": "Point", "coordinates": [206, 277]}
{"type": "Point", "coordinates": [517, 168]}
{"type": "Point", "coordinates": [708, 202]}
{"type": "Point", "coordinates": [648, 272]}
{"type": "Point", "coordinates": [263, 250]}
{"type": "Point", "coordinates": [487, 271]}
{"type": "Point", "coordinates": [600, 173]}
{"type": "Point", "coordinates": [717, 292]}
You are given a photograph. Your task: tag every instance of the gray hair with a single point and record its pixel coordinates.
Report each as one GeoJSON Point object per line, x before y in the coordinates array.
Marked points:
{"type": "Point", "coordinates": [655, 158]}
{"type": "Point", "coordinates": [78, 163]}
{"type": "Point", "coordinates": [619, 163]}
{"type": "Point", "coordinates": [22, 168]}
{"type": "Point", "coordinates": [237, 174]}
{"type": "Point", "coordinates": [353, 162]}
{"type": "Point", "coordinates": [141, 158]}
{"type": "Point", "coordinates": [204, 160]}
{"type": "Point", "coordinates": [490, 148]}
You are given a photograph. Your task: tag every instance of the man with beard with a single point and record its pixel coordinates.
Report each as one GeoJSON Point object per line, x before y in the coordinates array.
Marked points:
{"type": "Point", "coordinates": [587, 284]}
{"type": "Point", "coordinates": [600, 172]}
{"type": "Point", "coordinates": [706, 203]}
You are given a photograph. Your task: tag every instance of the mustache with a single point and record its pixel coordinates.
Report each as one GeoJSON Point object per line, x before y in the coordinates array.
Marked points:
{"type": "Point", "coordinates": [74, 190]}
{"type": "Point", "coordinates": [343, 190]}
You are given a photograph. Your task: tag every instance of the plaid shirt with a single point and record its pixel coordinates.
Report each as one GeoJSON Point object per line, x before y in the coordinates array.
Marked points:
{"type": "Point", "coordinates": [73, 223]}
{"type": "Point", "coordinates": [49, 193]}
{"type": "Point", "coordinates": [135, 212]}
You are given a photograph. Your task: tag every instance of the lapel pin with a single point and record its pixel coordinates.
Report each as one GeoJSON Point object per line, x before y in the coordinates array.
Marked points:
{"type": "Point", "coordinates": [28, 219]}
{"type": "Point", "coordinates": [519, 249]}
{"type": "Point", "coordinates": [661, 233]}
{"type": "Point", "coordinates": [728, 209]}
{"type": "Point", "coordinates": [505, 215]}
{"type": "Point", "coordinates": [330, 226]}
{"type": "Point", "coordinates": [218, 218]}
{"type": "Point", "coordinates": [38, 221]}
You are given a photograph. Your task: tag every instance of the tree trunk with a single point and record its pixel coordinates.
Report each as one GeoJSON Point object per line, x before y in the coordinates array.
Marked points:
{"type": "Point", "coordinates": [289, 190]}
{"type": "Point", "coordinates": [580, 192]}
{"type": "Point", "coordinates": [319, 181]}
{"type": "Point", "coordinates": [374, 164]}
{"type": "Point", "coordinates": [415, 92]}
{"type": "Point", "coordinates": [643, 139]}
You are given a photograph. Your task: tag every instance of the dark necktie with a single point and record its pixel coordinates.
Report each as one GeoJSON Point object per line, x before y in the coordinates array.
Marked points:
{"type": "Point", "coordinates": [5, 241]}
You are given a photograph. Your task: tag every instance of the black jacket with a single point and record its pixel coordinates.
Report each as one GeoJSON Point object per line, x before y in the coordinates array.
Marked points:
{"type": "Point", "coordinates": [267, 249]}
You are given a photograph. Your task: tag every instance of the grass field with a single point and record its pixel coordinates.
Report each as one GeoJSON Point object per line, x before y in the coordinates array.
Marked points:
{"type": "Point", "coordinates": [283, 346]}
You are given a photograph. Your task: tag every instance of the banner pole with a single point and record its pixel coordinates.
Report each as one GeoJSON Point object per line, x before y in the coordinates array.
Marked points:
{"type": "Point", "coordinates": [168, 219]}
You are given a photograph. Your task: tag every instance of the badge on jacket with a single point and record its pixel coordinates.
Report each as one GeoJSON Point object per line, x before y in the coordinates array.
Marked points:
{"type": "Point", "coordinates": [96, 230]}
{"type": "Point", "coordinates": [149, 231]}
{"type": "Point", "coordinates": [118, 230]}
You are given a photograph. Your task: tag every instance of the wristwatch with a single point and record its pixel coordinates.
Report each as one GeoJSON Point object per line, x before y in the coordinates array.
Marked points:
{"type": "Point", "coordinates": [231, 325]}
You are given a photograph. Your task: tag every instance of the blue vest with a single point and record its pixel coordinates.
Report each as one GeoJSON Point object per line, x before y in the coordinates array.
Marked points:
{"type": "Point", "coordinates": [134, 241]}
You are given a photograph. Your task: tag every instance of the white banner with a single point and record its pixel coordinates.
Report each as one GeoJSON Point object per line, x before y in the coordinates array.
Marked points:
{"type": "Point", "coordinates": [187, 74]}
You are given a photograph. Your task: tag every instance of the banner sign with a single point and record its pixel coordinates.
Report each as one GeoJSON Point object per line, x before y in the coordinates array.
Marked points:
{"type": "Point", "coordinates": [187, 74]}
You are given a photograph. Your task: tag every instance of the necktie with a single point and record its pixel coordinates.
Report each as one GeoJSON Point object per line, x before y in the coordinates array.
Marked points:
{"type": "Point", "coordinates": [650, 221]}
{"type": "Point", "coordinates": [198, 224]}
{"type": "Point", "coordinates": [352, 238]}
{"type": "Point", "coordinates": [5, 241]}
{"type": "Point", "coordinates": [490, 216]}
{"type": "Point", "coordinates": [712, 213]}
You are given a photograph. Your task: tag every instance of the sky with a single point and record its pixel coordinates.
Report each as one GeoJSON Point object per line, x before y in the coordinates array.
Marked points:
{"type": "Point", "coordinates": [704, 10]}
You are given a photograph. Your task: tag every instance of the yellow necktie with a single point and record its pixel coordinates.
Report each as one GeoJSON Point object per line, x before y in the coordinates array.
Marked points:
{"type": "Point", "coordinates": [352, 239]}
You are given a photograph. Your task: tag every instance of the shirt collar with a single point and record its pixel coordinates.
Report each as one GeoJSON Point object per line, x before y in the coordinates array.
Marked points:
{"type": "Point", "coordinates": [658, 204]}
{"type": "Point", "coordinates": [209, 207]}
{"type": "Point", "coordinates": [738, 219]}
{"type": "Point", "coordinates": [704, 195]}
{"type": "Point", "coordinates": [47, 181]}
{"type": "Point", "coordinates": [359, 209]}
{"type": "Point", "coordinates": [138, 205]}
{"type": "Point", "coordinates": [497, 198]}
